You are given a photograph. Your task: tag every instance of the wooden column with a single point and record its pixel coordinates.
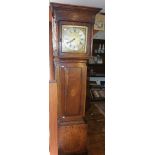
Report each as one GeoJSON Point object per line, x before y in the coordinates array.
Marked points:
{"type": "Point", "coordinates": [51, 63]}
{"type": "Point", "coordinates": [53, 100]}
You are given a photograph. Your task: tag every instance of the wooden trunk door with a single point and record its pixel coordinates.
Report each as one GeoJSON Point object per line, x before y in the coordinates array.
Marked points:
{"type": "Point", "coordinates": [72, 90]}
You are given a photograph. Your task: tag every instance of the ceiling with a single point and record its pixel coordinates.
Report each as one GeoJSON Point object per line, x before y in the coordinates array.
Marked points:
{"type": "Point", "coordinates": [91, 3]}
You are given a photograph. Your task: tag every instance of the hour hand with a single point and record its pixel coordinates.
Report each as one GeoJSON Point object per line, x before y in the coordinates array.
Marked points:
{"type": "Point", "coordinates": [71, 40]}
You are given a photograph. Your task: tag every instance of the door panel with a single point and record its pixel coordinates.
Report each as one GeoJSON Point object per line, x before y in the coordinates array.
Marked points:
{"type": "Point", "coordinates": [72, 87]}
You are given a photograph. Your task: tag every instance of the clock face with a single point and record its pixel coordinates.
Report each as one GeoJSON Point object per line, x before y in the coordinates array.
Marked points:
{"type": "Point", "coordinates": [74, 38]}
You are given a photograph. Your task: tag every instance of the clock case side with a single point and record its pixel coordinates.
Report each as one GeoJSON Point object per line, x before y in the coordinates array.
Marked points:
{"type": "Point", "coordinates": [54, 33]}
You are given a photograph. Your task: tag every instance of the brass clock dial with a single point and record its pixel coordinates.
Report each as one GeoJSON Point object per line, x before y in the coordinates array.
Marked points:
{"type": "Point", "coordinates": [74, 38]}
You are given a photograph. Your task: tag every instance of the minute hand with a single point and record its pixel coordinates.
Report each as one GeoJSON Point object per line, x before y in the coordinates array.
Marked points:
{"type": "Point", "coordinates": [71, 40]}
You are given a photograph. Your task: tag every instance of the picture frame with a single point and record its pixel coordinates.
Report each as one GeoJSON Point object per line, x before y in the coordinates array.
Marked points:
{"type": "Point", "coordinates": [99, 22]}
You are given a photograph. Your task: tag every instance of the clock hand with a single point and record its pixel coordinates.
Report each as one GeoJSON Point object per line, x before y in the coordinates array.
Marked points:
{"type": "Point", "coordinates": [71, 40]}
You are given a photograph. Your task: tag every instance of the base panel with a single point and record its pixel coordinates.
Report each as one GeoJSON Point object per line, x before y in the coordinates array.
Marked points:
{"type": "Point", "coordinates": [72, 139]}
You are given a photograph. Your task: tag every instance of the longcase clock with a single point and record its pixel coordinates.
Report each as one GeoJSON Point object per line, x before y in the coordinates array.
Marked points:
{"type": "Point", "coordinates": [72, 45]}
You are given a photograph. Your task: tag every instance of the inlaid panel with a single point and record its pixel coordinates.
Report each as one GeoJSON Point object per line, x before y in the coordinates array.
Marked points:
{"type": "Point", "coordinates": [72, 77]}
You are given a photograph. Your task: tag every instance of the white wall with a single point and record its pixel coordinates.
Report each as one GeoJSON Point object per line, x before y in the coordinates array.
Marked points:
{"type": "Point", "coordinates": [99, 35]}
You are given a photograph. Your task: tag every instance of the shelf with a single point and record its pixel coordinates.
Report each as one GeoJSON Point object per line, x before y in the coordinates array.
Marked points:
{"type": "Point", "coordinates": [101, 54]}
{"type": "Point", "coordinates": [96, 64]}
{"type": "Point", "coordinates": [97, 75]}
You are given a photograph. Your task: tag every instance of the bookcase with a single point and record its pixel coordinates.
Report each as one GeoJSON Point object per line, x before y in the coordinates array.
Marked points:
{"type": "Point", "coordinates": [97, 61]}
{"type": "Point", "coordinates": [96, 70]}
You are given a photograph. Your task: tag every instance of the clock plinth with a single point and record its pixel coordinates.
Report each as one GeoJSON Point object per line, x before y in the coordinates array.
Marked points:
{"type": "Point", "coordinates": [72, 44]}
{"type": "Point", "coordinates": [72, 138]}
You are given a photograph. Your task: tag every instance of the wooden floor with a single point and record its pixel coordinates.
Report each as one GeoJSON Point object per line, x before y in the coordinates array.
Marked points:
{"type": "Point", "coordinates": [96, 131]}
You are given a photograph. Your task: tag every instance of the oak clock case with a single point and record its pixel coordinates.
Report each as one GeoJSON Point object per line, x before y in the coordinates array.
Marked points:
{"type": "Point", "coordinates": [72, 33]}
